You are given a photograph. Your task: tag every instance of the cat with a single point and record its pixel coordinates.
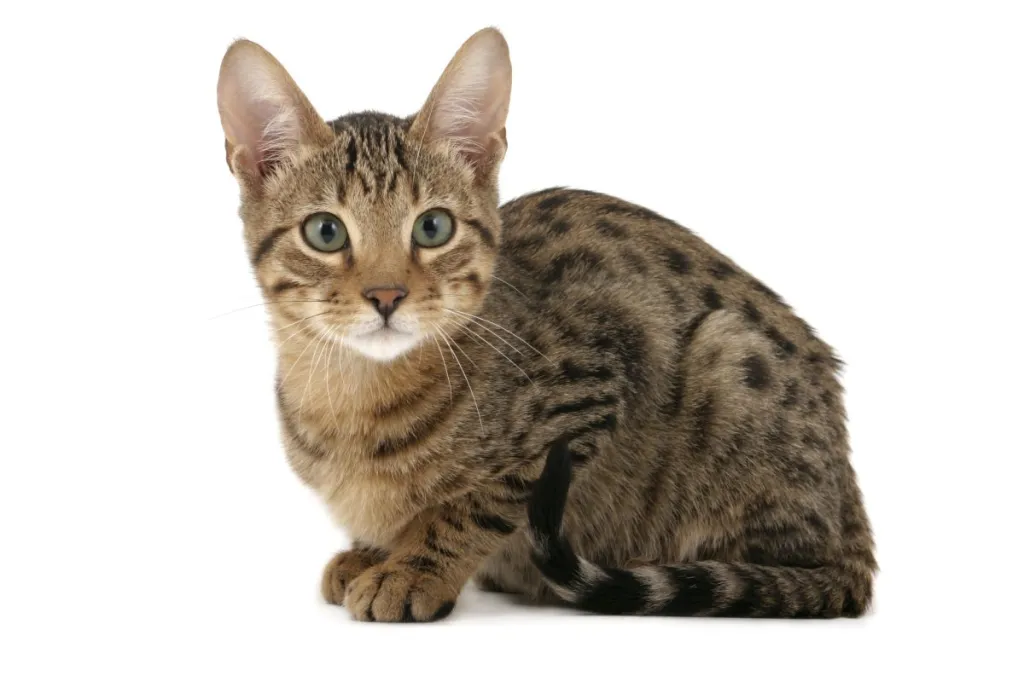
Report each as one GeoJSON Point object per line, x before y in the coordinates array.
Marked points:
{"type": "Point", "coordinates": [568, 397]}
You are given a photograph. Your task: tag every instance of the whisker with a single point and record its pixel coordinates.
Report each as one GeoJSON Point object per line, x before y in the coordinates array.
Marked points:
{"type": "Point", "coordinates": [330, 398]}
{"type": "Point", "coordinates": [308, 317]}
{"type": "Point", "coordinates": [298, 359]}
{"type": "Point", "coordinates": [451, 391]}
{"type": "Point", "coordinates": [292, 336]}
{"type": "Point", "coordinates": [491, 331]}
{"type": "Point", "coordinates": [457, 346]}
{"type": "Point", "coordinates": [497, 350]}
{"type": "Point", "coordinates": [484, 319]}
{"type": "Point", "coordinates": [325, 341]}
{"type": "Point", "coordinates": [469, 385]}
{"type": "Point", "coordinates": [266, 303]}
{"type": "Point", "coordinates": [513, 287]}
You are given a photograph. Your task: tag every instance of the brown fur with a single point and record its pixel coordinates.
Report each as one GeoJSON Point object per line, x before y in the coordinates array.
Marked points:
{"type": "Point", "coordinates": [705, 419]}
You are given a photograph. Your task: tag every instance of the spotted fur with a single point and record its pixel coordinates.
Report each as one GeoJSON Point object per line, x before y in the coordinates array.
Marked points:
{"type": "Point", "coordinates": [599, 408]}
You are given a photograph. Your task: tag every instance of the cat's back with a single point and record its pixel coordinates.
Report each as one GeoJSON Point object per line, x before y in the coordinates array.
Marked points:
{"type": "Point", "coordinates": [575, 249]}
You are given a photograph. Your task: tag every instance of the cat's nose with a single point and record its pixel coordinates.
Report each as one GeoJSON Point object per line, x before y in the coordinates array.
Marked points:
{"type": "Point", "coordinates": [385, 299]}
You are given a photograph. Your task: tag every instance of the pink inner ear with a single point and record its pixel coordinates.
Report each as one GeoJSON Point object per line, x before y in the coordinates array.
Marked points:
{"type": "Point", "coordinates": [468, 105]}
{"type": "Point", "coordinates": [245, 109]}
{"type": "Point", "coordinates": [246, 122]}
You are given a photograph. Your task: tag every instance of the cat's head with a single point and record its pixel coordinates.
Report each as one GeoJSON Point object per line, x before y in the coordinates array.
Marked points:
{"type": "Point", "coordinates": [371, 229]}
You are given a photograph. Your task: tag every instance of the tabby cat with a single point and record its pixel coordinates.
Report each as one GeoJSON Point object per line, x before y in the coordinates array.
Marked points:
{"type": "Point", "coordinates": [568, 397]}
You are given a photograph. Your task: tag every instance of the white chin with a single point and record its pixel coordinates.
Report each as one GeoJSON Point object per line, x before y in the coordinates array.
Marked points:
{"type": "Point", "coordinates": [383, 345]}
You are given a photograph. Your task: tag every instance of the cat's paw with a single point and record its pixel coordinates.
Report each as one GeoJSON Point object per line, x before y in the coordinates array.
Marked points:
{"type": "Point", "coordinates": [396, 593]}
{"type": "Point", "coordinates": [342, 570]}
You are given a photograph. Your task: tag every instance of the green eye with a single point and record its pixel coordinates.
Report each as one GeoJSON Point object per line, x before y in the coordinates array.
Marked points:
{"type": "Point", "coordinates": [325, 232]}
{"type": "Point", "coordinates": [433, 228]}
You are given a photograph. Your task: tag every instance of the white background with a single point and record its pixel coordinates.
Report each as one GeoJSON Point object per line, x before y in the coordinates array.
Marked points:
{"type": "Point", "coordinates": [864, 159]}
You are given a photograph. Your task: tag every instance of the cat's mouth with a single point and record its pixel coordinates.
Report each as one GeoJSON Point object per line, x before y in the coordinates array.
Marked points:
{"type": "Point", "coordinates": [384, 343]}
{"type": "Point", "coordinates": [385, 334]}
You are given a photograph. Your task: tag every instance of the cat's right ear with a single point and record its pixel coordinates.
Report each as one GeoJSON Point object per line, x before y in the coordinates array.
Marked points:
{"type": "Point", "coordinates": [266, 118]}
{"type": "Point", "coordinates": [467, 108]}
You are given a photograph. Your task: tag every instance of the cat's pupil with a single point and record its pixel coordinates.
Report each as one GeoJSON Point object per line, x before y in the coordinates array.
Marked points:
{"type": "Point", "coordinates": [430, 227]}
{"type": "Point", "coordinates": [328, 231]}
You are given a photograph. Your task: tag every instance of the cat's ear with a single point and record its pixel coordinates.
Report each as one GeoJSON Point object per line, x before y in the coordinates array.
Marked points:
{"type": "Point", "coordinates": [266, 118]}
{"type": "Point", "coordinates": [467, 108]}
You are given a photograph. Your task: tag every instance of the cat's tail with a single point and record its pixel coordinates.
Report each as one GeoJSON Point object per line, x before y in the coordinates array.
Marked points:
{"type": "Point", "coordinates": [702, 588]}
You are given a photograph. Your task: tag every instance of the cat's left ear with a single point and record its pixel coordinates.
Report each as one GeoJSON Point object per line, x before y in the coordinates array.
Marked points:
{"type": "Point", "coordinates": [467, 108]}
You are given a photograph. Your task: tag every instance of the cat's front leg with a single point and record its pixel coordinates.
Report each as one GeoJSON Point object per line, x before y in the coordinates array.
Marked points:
{"type": "Point", "coordinates": [429, 564]}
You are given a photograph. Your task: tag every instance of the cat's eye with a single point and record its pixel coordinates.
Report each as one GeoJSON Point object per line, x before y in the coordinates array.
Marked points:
{"type": "Point", "coordinates": [325, 232]}
{"type": "Point", "coordinates": [433, 228]}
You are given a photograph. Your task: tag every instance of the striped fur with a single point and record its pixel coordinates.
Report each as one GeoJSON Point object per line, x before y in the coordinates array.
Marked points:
{"type": "Point", "coordinates": [699, 419]}
{"type": "Point", "coordinates": [698, 588]}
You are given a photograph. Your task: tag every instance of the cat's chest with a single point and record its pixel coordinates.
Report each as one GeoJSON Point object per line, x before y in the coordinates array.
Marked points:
{"type": "Point", "coordinates": [369, 498]}
{"type": "Point", "coordinates": [369, 508]}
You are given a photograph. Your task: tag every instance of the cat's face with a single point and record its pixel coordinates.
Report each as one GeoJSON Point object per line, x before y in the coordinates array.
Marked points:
{"type": "Point", "coordinates": [376, 231]}
{"type": "Point", "coordinates": [375, 239]}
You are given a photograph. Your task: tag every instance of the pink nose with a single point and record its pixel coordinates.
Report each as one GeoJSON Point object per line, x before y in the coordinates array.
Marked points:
{"type": "Point", "coordinates": [385, 299]}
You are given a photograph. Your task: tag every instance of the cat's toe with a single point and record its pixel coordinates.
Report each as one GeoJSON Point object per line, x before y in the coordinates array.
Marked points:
{"type": "Point", "coordinates": [340, 571]}
{"type": "Point", "coordinates": [399, 594]}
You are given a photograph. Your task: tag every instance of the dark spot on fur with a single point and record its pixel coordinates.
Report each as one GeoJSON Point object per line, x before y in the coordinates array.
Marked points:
{"type": "Point", "coordinates": [560, 227]}
{"type": "Point", "coordinates": [482, 230]}
{"type": "Point", "coordinates": [579, 259]}
{"type": "Point", "coordinates": [492, 522]}
{"type": "Point", "coordinates": [756, 372]}
{"type": "Point", "coordinates": [434, 546]}
{"type": "Point", "coordinates": [785, 346]}
{"type": "Point", "coordinates": [423, 564]}
{"type": "Point", "coordinates": [751, 312]}
{"type": "Point", "coordinates": [703, 415]}
{"type": "Point", "coordinates": [352, 154]}
{"type": "Point", "coordinates": [552, 202]}
{"type": "Point", "coordinates": [268, 243]}
{"type": "Point", "coordinates": [627, 343]}
{"type": "Point", "coordinates": [583, 404]}
{"type": "Point", "coordinates": [399, 150]}
{"type": "Point", "coordinates": [711, 297]}
{"type": "Point", "coordinates": [610, 229]}
{"type": "Point", "coordinates": [677, 261]}
{"type": "Point", "coordinates": [721, 270]}
{"type": "Point", "coordinates": [516, 483]}
{"type": "Point", "coordinates": [633, 211]}
{"type": "Point", "coordinates": [285, 285]}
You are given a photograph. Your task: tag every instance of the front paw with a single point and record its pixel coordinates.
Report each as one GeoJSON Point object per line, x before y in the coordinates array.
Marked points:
{"type": "Point", "coordinates": [396, 593]}
{"type": "Point", "coordinates": [343, 569]}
